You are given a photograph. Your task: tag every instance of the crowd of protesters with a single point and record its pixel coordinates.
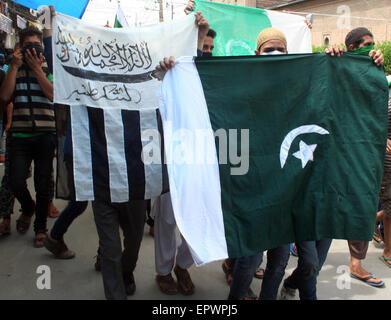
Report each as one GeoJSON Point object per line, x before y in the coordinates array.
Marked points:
{"type": "Point", "coordinates": [28, 125]}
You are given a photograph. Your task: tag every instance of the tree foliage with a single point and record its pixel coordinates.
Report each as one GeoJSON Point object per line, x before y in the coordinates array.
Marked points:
{"type": "Point", "coordinates": [385, 47]}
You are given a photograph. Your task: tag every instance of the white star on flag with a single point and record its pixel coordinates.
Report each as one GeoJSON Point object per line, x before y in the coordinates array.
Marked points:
{"type": "Point", "coordinates": [306, 153]}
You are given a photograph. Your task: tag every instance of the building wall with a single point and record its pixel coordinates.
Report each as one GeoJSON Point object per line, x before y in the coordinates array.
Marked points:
{"type": "Point", "coordinates": [245, 3]}
{"type": "Point", "coordinates": [336, 28]}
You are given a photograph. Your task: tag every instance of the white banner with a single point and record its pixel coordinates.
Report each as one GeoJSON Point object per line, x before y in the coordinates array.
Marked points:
{"type": "Point", "coordinates": [20, 22]}
{"type": "Point", "coordinates": [114, 68]}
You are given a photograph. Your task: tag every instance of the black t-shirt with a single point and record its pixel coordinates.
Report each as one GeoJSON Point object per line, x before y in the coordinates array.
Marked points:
{"type": "Point", "coordinates": [2, 76]}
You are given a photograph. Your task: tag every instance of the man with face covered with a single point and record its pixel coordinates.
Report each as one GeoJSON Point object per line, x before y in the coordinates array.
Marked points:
{"type": "Point", "coordinates": [207, 48]}
{"type": "Point", "coordinates": [29, 85]}
{"type": "Point", "coordinates": [312, 254]}
{"type": "Point", "coordinates": [360, 41]}
{"type": "Point", "coordinates": [270, 41]}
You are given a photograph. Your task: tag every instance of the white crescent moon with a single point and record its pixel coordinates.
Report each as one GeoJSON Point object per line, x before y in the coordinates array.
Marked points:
{"type": "Point", "coordinates": [286, 144]}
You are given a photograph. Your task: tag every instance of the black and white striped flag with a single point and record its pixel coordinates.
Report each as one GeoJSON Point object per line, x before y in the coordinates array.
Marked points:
{"type": "Point", "coordinates": [114, 136]}
{"type": "Point", "coordinates": [112, 152]}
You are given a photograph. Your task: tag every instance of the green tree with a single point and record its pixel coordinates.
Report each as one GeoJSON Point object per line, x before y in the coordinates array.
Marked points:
{"type": "Point", "coordinates": [385, 47]}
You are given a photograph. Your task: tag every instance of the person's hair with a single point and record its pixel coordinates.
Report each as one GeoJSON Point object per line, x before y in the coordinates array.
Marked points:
{"type": "Point", "coordinates": [355, 37]}
{"type": "Point", "coordinates": [29, 32]}
{"type": "Point", "coordinates": [211, 33]}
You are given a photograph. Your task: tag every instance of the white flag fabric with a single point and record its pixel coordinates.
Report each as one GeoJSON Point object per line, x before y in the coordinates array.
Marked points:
{"type": "Point", "coordinates": [193, 183]}
{"type": "Point", "coordinates": [120, 19]}
{"type": "Point", "coordinates": [114, 68]}
{"type": "Point", "coordinates": [238, 27]}
{"type": "Point", "coordinates": [108, 78]}
{"type": "Point", "coordinates": [297, 33]}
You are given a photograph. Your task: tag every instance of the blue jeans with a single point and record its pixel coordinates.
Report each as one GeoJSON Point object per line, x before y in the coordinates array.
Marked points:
{"type": "Point", "coordinates": [312, 255]}
{"type": "Point", "coordinates": [39, 149]}
{"type": "Point", "coordinates": [245, 267]}
{"type": "Point", "coordinates": [277, 260]}
{"type": "Point", "coordinates": [70, 213]}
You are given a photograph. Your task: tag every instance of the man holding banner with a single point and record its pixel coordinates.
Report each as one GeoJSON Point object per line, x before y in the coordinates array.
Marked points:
{"type": "Point", "coordinates": [358, 41]}
{"type": "Point", "coordinates": [289, 189]}
{"type": "Point", "coordinates": [109, 78]}
{"type": "Point", "coordinates": [111, 87]}
{"type": "Point", "coordinates": [166, 251]}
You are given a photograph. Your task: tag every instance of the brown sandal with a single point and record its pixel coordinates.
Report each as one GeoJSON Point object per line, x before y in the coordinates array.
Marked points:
{"type": "Point", "coordinates": [167, 284]}
{"type": "Point", "coordinates": [260, 273]}
{"type": "Point", "coordinates": [38, 240]}
{"type": "Point", "coordinates": [5, 227]}
{"type": "Point", "coordinates": [227, 267]}
{"type": "Point", "coordinates": [185, 283]}
{"type": "Point", "coordinates": [23, 223]}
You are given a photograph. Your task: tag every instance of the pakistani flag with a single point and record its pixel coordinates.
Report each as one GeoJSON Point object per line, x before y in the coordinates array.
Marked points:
{"type": "Point", "coordinates": [120, 20]}
{"type": "Point", "coordinates": [269, 150]}
{"type": "Point", "coordinates": [238, 27]}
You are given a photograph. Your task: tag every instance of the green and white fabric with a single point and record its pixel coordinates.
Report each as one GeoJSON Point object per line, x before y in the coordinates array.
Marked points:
{"type": "Point", "coordinates": [120, 19]}
{"type": "Point", "coordinates": [238, 27]}
{"type": "Point", "coordinates": [311, 140]}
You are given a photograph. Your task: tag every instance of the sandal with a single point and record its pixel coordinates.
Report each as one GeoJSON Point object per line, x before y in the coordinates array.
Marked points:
{"type": "Point", "coordinates": [260, 273]}
{"type": "Point", "coordinates": [23, 223]}
{"type": "Point", "coordinates": [227, 267]}
{"type": "Point", "coordinates": [377, 238]}
{"type": "Point", "coordinates": [167, 284]}
{"type": "Point", "coordinates": [152, 231]}
{"type": "Point", "coordinates": [5, 227]}
{"type": "Point", "coordinates": [53, 211]}
{"type": "Point", "coordinates": [366, 280]}
{"type": "Point", "coordinates": [38, 240]}
{"type": "Point", "coordinates": [385, 261]}
{"type": "Point", "coordinates": [293, 250]}
{"type": "Point", "coordinates": [185, 284]}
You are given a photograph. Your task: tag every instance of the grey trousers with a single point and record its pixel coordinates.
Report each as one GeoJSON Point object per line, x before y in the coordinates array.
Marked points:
{"type": "Point", "coordinates": [165, 238]}
{"type": "Point", "coordinates": [118, 264]}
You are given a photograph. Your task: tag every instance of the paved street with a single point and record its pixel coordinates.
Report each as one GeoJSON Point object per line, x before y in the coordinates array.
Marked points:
{"type": "Point", "coordinates": [77, 279]}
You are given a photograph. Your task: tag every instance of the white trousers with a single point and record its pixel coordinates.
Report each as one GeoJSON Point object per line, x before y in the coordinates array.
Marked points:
{"type": "Point", "coordinates": [165, 238]}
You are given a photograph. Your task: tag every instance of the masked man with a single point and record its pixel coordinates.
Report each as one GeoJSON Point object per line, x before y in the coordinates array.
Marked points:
{"type": "Point", "coordinates": [29, 84]}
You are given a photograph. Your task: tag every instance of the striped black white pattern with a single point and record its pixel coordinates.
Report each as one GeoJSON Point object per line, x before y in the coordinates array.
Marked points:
{"type": "Point", "coordinates": [107, 151]}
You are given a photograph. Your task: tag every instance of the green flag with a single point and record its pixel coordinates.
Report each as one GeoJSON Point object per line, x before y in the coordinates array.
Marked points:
{"type": "Point", "coordinates": [306, 137]}
{"type": "Point", "coordinates": [120, 19]}
{"type": "Point", "coordinates": [238, 27]}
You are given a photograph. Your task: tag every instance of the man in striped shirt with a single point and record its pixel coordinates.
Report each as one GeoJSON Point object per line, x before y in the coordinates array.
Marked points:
{"type": "Point", "coordinates": [29, 85]}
